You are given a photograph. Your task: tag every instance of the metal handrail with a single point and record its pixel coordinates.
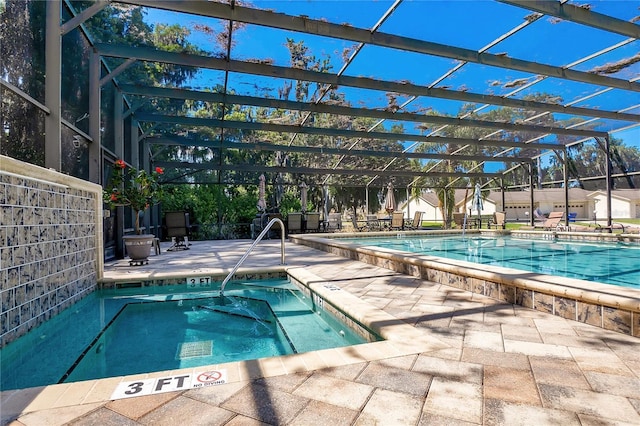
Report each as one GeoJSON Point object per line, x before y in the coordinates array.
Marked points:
{"type": "Point", "coordinates": [464, 224]}
{"type": "Point", "coordinates": [258, 239]}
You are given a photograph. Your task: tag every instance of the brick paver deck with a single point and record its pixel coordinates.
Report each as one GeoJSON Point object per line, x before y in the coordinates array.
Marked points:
{"type": "Point", "coordinates": [501, 365]}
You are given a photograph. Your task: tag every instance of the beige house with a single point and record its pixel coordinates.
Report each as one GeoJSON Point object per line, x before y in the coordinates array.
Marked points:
{"type": "Point", "coordinates": [464, 203]}
{"type": "Point", "coordinates": [428, 203]}
{"type": "Point", "coordinates": [517, 204]}
{"type": "Point", "coordinates": [625, 203]}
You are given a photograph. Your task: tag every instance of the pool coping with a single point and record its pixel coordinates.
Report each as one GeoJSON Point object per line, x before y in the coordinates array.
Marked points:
{"type": "Point", "coordinates": [603, 305]}
{"type": "Point", "coordinates": [400, 339]}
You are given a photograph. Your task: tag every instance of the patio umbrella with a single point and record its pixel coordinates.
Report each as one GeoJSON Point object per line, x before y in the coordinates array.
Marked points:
{"type": "Point", "coordinates": [390, 201]}
{"type": "Point", "coordinates": [303, 197]}
{"type": "Point", "coordinates": [325, 189]}
{"type": "Point", "coordinates": [262, 204]}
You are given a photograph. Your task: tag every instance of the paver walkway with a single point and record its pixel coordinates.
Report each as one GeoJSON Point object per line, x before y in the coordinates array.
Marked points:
{"type": "Point", "coordinates": [505, 365]}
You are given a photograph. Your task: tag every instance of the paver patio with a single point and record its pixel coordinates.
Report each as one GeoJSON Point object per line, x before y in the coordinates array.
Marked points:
{"type": "Point", "coordinates": [501, 365]}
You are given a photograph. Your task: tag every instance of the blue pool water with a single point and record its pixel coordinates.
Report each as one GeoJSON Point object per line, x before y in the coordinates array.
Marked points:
{"type": "Point", "coordinates": [121, 332]}
{"type": "Point", "coordinates": [609, 263]}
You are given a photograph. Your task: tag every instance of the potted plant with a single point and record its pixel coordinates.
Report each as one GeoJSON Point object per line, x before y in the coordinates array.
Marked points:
{"type": "Point", "coordinates": [138, 189]}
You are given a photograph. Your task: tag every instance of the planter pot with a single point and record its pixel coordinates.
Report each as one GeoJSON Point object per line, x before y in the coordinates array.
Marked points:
{"type": "Point", "coordinates": [138, 248]}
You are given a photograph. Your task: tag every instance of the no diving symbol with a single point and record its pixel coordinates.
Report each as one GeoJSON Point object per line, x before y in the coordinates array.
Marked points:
{"type": "Point", "coordinates": [209, 376]}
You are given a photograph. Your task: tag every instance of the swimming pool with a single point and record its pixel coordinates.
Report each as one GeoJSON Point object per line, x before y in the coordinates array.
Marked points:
{"type": "Point", "coordinates": [608, 263]}
{"type": "Point", "coordinates": [136, 330]}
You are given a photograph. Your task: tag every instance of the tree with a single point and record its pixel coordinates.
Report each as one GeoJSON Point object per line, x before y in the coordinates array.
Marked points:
{"type": "Point", "coordinates": [21, 123]}
{"type": "Point", "coordinates": [588, 159]}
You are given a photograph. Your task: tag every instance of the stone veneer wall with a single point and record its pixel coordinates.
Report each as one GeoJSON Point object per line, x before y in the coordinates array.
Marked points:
{"type": "Point", "coordinates": [588, 305]}
{"type": "Point", "coordinates": [51, 245]}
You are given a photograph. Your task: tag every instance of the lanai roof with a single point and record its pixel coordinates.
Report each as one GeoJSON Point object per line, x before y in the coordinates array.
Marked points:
{"type": "Point", "coordinates": [424, 71]}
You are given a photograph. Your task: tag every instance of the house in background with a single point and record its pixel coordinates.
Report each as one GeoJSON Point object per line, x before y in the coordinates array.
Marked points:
{"type": "Point", "coordinates": [517, 204]}
{"type": "Point", "coordinates": [625, 203]}
{"type": "Point", "coordinates": [428, 203]}
{"type": "Point", "coordinates": [464, 201]}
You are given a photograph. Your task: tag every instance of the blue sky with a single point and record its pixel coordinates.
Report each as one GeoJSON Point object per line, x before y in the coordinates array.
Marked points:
{"type": "Point", "coordinates": [455, 22]}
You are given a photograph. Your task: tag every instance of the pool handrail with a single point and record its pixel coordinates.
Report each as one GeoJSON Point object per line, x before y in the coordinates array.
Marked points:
{"type": "Point", "coordinates": [258, 239]}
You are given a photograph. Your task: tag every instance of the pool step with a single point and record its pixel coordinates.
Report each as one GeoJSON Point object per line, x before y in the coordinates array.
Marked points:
{"type": "Point", "coordinates": [231, 310]}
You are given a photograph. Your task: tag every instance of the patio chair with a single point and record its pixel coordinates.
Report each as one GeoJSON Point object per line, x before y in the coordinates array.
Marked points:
{"type": "Point", "coordinates": [334, 222]}
{"type": "Point", "coordinates": [359, 225]}
{"type": "Point", "coordinates": [417, 221]}
{"type": "Point", "coordinates": [262, 220]}
{"type": "Point", "coordinates": [294, 222]}
{"type": "Point", "coordinates": [178, 229]}
{"type": "Point", "coordinates": [397, 220]}
{"type": "Point", "coordinates": [552, 222]}
{"type": "Point", "coordinates": [275, 231]}
{"type": "Point", "coordinates": [373, 222]}
{"type": "Point", "coordinates": [498, 221]}
{"type": "Point", "coordinates": [474, 222]}
{"type": "Point", "coordinates": [313, 222]}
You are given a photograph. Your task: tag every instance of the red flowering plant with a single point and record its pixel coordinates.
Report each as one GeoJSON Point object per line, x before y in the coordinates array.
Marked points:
{"type": "Point", "coordinates": [135, 188]}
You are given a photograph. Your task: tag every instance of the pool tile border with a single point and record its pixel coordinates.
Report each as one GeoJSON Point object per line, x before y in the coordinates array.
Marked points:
{"type": "Point", "coordinates": [143, 279]}
{"type": "Point", "coordinates": [609, 307]}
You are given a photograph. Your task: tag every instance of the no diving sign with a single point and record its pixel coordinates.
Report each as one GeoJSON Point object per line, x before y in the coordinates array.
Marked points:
{"type": "Point", "coordinates": [170, 384]}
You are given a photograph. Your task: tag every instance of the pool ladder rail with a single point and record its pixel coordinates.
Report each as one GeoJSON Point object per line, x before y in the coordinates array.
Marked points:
{"type": "Point", "coordinates": [464, 224]}
{"type": "Point", "coordinates": [255, 243]}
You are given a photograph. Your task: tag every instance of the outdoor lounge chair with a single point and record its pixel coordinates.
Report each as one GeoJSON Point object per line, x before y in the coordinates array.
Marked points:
{"type": "Point", "coordinates": [397, 220]}
{"type": "Point", "coordinates": [313, 222]}
{"type": "Point", "coordinates": [334, 222]}
{"type": "Point", "coordinates": [262, 220]}
{"type": "Point", "coordinates": [294, 222]}
{"type": "Point", "coordinates": [552, 222]}
{"type": "Point", "coordinates": [178, 229]}
{"type": "Point", "coordinates": [373, 223]}
{"type": "Point", "coordinates": [417, 221]}
{"type": "Point", "coordinates": [498, 221]}
{"type": "Point", "coordinates": [275, 231]}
